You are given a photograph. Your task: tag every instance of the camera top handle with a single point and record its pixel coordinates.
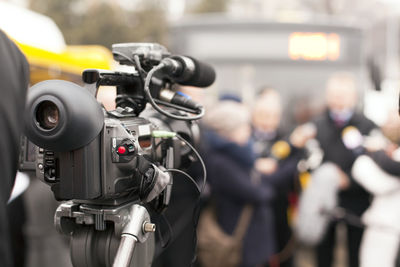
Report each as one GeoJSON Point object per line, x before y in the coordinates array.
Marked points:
{"type": "Point", "coordinates": [156, 71]}
{"type": "Point", "coordinates": [130, 87]}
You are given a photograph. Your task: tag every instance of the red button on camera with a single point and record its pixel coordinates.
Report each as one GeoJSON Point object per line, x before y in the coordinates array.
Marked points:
{"type": "Point", "coordinates": [121, 150]}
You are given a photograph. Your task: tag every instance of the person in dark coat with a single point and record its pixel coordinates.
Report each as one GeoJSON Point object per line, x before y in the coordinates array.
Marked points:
{"type": "Point", "coordinates": [230, 164]}
{"type": "Point", "coordinates": [181, 247]}
{"type": "Point", "coordinates": [341, 99]}
{"type": "Point", "coordinates": [14, 77]}
{"type": "Point", "coordinates": [229, 160]}
{"type": "Point", "coordinates": [276, 154]}
{"type": "Point", "coordinates": [180, 240]}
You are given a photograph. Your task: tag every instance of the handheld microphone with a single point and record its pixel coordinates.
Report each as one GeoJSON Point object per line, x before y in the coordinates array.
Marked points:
{"type": "Point", "coordinates": [280, 150]}
{"type": "Point", "coordinates": [317, 200]}
{"type": "Point", "coordinates": [188, 71]}
{"type": "Point", "coordinates": [359, 144]}
{"type": "Point", "coordinates": [353, 140]}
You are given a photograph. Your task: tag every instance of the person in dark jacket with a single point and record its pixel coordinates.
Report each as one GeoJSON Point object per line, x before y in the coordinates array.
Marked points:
{"type": "Point", "coordinates": [341, 99]}
{"type": "Point", "coordinates": [230, 165]}
{"type": "Point", "coordinates": [14, 77]}
{"type": "Point", "coordinates": [276, 154]}
{"type": "Point", "coordinates": [230, 160]}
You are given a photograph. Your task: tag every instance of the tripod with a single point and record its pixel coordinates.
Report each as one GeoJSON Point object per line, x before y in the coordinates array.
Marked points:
{"type": "Point", "coordinates": [99, 233]}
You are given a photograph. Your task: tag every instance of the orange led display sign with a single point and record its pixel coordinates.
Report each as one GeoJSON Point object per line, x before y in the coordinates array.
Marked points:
{"type": "Point", "coordinates": [315, 46]}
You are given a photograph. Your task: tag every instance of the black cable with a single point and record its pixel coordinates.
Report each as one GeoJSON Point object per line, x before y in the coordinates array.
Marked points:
{"type": "Point", "coordinates": [140, 70]}
{"type": "Point", "coordinates": [170, 105]}
{"type": "Point", "coordinates": [188, 176]}
{"type": "Point", "coordinates": [196, 210]}
{"type": "Point", "coordinates": [124, 56]}
{"type": "Point", "coordinates": [136, 62]}
{"type": "Point", "coordinates": [199, 158]}
{"type": "Point", "coordinates": [157, 145]}
{"type": "Point", "coordinates": [156, 107]}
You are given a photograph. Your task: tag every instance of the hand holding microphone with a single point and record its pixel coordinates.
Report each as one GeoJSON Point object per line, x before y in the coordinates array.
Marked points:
{"type": "Point", "coordinates": [280, 150]}
{"type": "Point", "coordinates": [343, 179]}
{"type": "Point", "coordinates": [302, 134]}
{"type": "Point", "coordinates": [266, 166]}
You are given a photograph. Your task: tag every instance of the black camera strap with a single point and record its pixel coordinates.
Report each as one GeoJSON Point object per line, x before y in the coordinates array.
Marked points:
{"type": "Point", "coordinates": [147, 173]}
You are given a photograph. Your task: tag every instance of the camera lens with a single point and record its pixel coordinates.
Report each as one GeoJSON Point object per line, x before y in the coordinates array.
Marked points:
{"type": "Point", "coordinates": [47, 115]}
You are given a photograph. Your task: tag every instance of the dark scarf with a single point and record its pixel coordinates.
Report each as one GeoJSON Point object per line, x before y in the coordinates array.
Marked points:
{"type": "Point", "coordinates": [244, 155]}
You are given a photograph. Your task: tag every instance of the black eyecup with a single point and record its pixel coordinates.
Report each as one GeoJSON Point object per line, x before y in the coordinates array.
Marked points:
{"type": "Point", "coordinates": [81, 117]}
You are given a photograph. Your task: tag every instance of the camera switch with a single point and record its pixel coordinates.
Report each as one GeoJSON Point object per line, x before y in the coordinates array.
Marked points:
{"type": "Point", "coordinates": [131, 148]}
{"type": "Point", "coordinates": [121, 150]}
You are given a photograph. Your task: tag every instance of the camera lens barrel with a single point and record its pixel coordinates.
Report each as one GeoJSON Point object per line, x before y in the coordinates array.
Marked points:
{"type": "Point", "coordinates": [62, 116]}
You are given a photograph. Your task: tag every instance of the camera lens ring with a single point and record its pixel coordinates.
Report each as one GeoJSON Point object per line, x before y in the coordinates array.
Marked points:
{"type": "Point", "coordinates": [47, 115]}
{"type": "Point", "coordinates": [57, 104]}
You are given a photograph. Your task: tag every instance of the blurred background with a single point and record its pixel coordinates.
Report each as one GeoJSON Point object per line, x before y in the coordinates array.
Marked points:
{"type": "Point", "coordinates": [293, 46]}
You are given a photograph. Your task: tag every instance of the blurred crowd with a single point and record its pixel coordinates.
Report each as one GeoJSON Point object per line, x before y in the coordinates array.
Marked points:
{"type": "Point", "coordinates": [299, 185]}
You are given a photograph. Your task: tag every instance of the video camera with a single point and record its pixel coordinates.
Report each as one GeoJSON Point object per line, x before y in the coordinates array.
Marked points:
{"type": "Point", "coordinates": [103, 161]}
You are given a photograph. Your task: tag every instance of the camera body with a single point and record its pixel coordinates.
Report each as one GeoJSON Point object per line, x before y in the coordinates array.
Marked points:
{"type": "Point", "coordinates": [93, 156]}
{"type": "Point", "coordinates": [104, 169]}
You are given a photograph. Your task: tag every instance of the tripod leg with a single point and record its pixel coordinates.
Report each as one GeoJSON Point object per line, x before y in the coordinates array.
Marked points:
{"type": "Point", "coordinates": [125, 251]}
{"type": "Point", "coordinates": [136, 230]}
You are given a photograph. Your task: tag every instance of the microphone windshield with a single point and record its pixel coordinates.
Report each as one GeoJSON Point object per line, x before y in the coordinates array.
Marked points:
{"type": "Point", "coordinates": [352, 137]}
{"type": "Point", "coordinates": [317, 201]}
{"type": "Point", "coordinates": [203, 75]}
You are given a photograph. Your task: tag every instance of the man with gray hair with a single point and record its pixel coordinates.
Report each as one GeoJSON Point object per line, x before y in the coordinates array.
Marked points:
{"type": "Point", "coordinates": [341, 100]}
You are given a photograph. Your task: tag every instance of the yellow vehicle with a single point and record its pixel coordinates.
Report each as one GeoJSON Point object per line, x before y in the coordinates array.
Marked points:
{"type": "Point", "coordinates": [67, 65]}
{"type": "Point", "coordinates": [43, 44]}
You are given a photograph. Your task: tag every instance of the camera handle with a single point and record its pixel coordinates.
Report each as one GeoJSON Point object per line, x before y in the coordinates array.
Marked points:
{"type": "Point", "coordinates": [94, 244]}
